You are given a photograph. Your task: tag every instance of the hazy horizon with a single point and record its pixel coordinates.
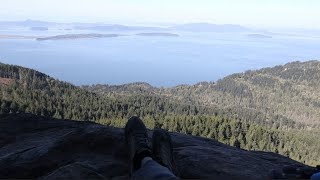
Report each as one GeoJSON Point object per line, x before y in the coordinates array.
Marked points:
{"type": "Point", "coordinates": [302, 30]}
{"type": "Point", "coordinates": [263, 14]}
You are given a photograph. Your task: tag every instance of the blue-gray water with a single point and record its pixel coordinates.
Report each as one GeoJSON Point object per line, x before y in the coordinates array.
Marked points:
{"type": "Point", "coordinates": [160, 61]}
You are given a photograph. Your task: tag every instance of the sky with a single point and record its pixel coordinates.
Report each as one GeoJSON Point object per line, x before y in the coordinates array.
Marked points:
{"type": "Point", "coordinates": [254, 13]}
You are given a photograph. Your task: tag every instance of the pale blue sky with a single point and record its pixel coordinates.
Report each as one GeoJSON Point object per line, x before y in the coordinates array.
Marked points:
{"type": "Point", "coordinates": [257, 13]}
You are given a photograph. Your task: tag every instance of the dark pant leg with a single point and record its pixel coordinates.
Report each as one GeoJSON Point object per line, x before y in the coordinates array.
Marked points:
{"type": "Point", "coordinates": [152, 170]}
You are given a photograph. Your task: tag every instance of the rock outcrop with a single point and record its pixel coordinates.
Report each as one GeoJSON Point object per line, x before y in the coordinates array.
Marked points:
{"type": "Point", "coordinates": [40, 147]}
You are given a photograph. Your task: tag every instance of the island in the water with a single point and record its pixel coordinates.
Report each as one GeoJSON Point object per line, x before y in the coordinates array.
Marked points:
{"type": "Point", "coordinates": [261, 36]}
{"type": "Point", "coordinates": [39, 29]}
{"type": "Point", "coordinates": [158, 34]}
{"type": "Point", "coordinates": [77, 36]}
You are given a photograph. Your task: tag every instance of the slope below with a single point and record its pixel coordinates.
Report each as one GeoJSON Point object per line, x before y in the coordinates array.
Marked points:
{"type": "Point", "coordinates": [34, 146]}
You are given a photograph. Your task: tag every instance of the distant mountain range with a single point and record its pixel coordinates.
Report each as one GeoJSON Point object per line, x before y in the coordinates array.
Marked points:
{"type": "Point", "coordinates": [192, 27]}
{"type": "Point", "coordinates": [207, 27]}
{"type": "Point", "coordinates": [117, 27]}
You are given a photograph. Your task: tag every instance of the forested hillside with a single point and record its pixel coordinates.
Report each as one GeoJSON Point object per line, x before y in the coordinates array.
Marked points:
{"type": "Point", "coordinates": [227, 110]}
{"type": "Point", "coordinates": [290, 92]}
{"type": "Point", "coordinates": [283, 96]}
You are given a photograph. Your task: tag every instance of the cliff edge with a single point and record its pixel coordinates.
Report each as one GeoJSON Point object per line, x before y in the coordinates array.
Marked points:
{"type": "Point", "coordinates": [39, 147]}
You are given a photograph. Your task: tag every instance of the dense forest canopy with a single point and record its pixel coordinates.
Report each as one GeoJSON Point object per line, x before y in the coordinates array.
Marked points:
{"type": "Point", "coordinates": [272, 109]}
{"type": "Point", "coordinates": [289, 94]}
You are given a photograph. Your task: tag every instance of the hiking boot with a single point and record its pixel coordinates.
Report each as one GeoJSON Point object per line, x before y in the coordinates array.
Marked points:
{"type": "Point", "coordinates": [163, 150]}
{"type": "Point", "coordinates": [137, 142]}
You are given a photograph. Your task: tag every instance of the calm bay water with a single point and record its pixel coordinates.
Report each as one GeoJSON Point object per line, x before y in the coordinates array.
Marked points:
{"type": "Point", "coordinates": [160, 61]}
